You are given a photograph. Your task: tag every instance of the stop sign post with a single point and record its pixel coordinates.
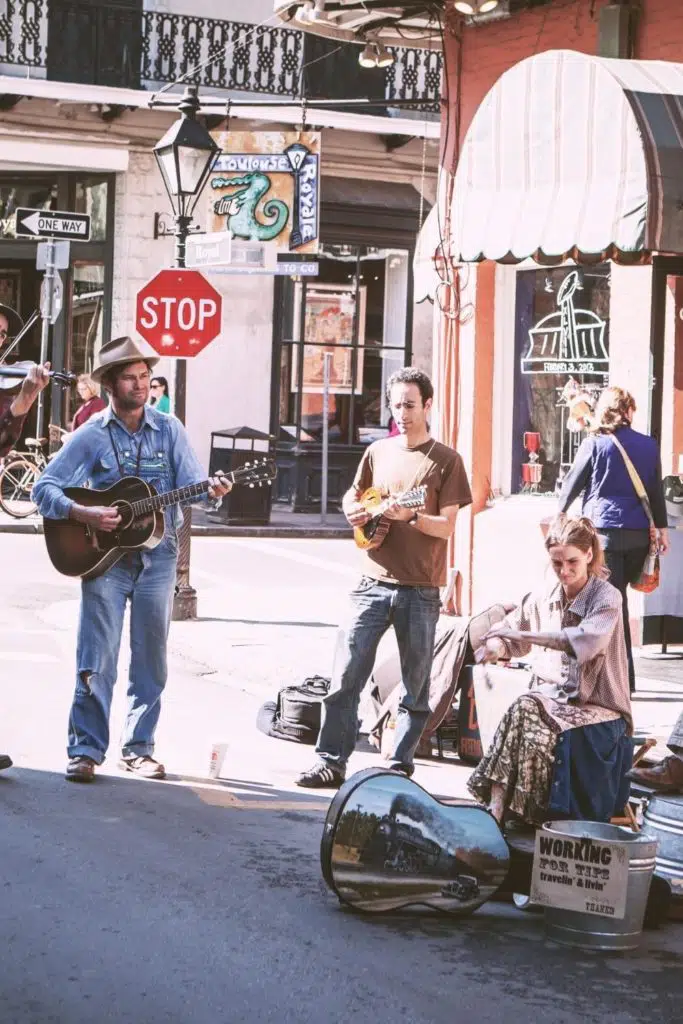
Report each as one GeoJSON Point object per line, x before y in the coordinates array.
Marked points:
{"type": "Point", "coordinates": [178, 313]}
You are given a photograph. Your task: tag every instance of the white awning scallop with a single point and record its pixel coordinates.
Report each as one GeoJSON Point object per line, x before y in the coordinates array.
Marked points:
{"type": "Point", "coordinates": [572, 156]}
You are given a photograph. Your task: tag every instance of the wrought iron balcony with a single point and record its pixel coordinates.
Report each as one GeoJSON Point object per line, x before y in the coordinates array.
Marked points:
{"type": "Point", "coordinates": [117, 43]}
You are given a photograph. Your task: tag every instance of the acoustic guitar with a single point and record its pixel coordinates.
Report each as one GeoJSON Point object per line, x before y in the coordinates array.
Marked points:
{"type": "Point", "coordinates": [77, 550]}
{"type": "Point", "coordinates": [373, 533]}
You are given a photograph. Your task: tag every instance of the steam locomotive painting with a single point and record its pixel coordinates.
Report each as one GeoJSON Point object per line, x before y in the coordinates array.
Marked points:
{"type": "Point", "coordinates": [388, 844]}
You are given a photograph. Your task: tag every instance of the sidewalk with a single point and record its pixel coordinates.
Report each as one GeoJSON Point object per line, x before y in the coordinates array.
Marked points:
{"type": "Point", "coordinates": [283, 523]}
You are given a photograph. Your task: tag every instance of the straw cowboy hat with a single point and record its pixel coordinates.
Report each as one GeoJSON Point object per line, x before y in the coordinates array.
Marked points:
{"type": "Point", "coordinates": [118, 352]}
{"type": "Point", "coordinates": [14, 321]}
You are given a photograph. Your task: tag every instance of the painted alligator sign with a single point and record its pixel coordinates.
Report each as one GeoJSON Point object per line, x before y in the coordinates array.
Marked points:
{"type": "Point", "coordinates": [265, 187]}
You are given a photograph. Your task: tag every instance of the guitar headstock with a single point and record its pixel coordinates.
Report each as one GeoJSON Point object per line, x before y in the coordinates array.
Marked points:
{"type": "Point", "coordinates": [414, 498]}
{"type": "Point", "coordinates": [256, 473]}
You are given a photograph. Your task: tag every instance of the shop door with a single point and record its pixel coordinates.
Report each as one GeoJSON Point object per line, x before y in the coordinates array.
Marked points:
{"type": "Point", "coordinates": [95, 42]}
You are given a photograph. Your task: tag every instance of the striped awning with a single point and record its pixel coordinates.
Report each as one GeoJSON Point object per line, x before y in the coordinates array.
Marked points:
{"type": "Point", "coordinates": [573, 157]}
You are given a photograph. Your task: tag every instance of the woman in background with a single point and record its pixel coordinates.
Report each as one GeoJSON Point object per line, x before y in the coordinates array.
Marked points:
{"type": "Point", "coordinates": [90, 394]}
{"type": "Point", "coordinates": [610, 500]}
{"type": "Point", "coordinates": [159, 394]}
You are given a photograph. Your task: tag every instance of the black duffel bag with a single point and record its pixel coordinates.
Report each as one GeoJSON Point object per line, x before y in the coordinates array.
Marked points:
{"type": "Point", "coordinates": [295, 715]}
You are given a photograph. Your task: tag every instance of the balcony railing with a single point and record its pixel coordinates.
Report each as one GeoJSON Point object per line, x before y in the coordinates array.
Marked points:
{"type": "Point", "coordinates": [116, 42]}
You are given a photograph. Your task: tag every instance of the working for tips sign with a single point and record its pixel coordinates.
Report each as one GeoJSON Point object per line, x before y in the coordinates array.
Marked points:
{"type": "Point", "coordinates": [581, 874]}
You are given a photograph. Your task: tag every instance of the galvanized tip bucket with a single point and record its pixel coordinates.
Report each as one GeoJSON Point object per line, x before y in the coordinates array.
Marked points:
{"type": "Point", "coordinates": [593, 931]}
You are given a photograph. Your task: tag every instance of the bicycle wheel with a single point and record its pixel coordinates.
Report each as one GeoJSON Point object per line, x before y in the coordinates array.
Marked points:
{"type": "Point", "coordinates": [17, 478]}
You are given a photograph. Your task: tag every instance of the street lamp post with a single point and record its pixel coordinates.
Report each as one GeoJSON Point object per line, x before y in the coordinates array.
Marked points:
{"type": "Point", "coordinates": [185, 157]}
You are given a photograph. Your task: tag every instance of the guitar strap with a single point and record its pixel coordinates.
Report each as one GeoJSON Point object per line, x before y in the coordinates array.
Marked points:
{"type": "Point", "coordinates": [138, 463]}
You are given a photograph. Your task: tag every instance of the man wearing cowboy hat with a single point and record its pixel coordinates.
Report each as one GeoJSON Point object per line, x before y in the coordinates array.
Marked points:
{"type": "Point", "coordinates": [14, 408]}
{"type": "Point", "coordinates": [129, 438]}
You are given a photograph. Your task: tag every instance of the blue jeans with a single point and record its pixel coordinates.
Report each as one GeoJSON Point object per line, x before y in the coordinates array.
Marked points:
{"type": "Point", "coordinates": [147, 580]}
{"type": "Point", "coordinates": [413, 612]}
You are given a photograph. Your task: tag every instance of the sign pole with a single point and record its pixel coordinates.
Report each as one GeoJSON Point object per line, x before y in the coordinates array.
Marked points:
{"type": "Point", "coordinates": [46, 312]}
{"type": "Point", "coordinates": [185, 599]}
{"type": "Point", "coordinates": [327, 366]}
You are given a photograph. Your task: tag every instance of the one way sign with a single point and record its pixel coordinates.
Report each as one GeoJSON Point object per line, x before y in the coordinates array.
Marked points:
{"type": "Point", "coordinates": [52, 224]}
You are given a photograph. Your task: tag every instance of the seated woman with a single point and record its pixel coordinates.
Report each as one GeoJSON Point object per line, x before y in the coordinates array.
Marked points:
{"type": "Point", "coordinates": [564, 749]}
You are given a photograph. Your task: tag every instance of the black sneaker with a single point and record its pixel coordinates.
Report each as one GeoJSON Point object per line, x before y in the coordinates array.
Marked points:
{"type": "Point", "coordinates": [322, 776]}
{"type": "Point", "coordinates": [403, 769]}
{"type": "Point", "coordinates": [5, 761]}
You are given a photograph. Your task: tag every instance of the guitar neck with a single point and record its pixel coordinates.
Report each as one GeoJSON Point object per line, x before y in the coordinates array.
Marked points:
{"type": "Point", "coordinates": [169, 498]}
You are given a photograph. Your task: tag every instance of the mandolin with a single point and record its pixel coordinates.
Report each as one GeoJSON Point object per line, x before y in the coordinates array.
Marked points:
{"type": "Point", "coordinates": [374, 532]}
{"type": "Point", "coordinates": [77, 550]}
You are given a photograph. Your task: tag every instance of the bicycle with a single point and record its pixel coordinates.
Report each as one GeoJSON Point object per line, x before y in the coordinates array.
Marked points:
{"type": "Point", "coordinates": [18, 473]}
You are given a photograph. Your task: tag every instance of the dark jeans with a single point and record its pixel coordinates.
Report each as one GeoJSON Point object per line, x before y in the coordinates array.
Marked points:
{"type": "Point", "coordinates": [414, 613]}
{"type": "Point", "coordinates": [625, 554]}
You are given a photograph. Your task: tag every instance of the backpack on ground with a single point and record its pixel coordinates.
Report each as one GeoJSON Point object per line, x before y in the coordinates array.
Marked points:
{"type": "Point", "coordinates": [296, 713]}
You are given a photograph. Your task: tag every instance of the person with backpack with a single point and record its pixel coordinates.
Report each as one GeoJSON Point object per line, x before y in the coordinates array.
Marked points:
{"type": "Point", "coordinates": [400, 582]}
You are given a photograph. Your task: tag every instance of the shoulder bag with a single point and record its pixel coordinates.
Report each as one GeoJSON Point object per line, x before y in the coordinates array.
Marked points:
{"type": "Point", "coordinates": [649, 574]}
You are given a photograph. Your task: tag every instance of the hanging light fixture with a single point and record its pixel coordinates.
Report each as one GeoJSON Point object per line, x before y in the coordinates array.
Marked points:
{"type": "Point", "coordinates": [385, 57]}
{"type": "Point", "coordinates": [473, 7]}
{"type": "Point", "coordinates": [375, 55]}
{"type": "Point", "coordinates": [368, 56]}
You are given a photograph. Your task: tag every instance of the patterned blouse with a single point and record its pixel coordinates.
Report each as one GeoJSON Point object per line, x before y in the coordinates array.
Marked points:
{"type": "Point", "coordinates": [589, 685]}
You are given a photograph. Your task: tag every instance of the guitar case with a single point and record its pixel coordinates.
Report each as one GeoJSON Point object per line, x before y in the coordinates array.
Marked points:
{"type": "Point", "coordinates": [387, 845]}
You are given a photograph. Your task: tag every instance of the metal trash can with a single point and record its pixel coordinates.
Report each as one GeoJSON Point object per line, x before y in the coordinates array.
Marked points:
{"type": "Point", "coordinates": [230, 450]}
{"type": "Point", "coordinates": [663, 820]}
{"type": "Point", "coordinates": [591, 931]}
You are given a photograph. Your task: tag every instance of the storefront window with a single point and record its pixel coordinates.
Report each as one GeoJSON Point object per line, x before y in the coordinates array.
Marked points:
{"type": "Point", "coordinates": [561, 335]}
{"type": "Point", "coordinates": [354, 316]}
{"type": "Point", "coordinates": [87, 298]}
{"type": "Point", "coordinates": [91, 198]}
{"type": "Point", "coordinates": [35, 193]}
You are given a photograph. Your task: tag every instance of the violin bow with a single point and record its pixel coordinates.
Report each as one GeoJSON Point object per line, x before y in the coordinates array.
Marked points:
{"type": "Point", "coordinates": [35, 315]}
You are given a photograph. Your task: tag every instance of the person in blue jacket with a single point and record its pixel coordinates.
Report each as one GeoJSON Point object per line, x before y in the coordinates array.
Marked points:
{"type": "Point", "coordinates": [610, 500]}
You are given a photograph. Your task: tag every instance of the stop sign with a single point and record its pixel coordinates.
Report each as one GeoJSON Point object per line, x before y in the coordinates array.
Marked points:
{"type": "Point", "coordinates": [178, 313]}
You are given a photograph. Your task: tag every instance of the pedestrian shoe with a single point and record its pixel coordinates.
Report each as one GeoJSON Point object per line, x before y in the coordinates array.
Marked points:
{"type": "Point", "coordinates": [80, 769]}
{"type": "Point", "coordinates": [666, 777]}
{"type": "Point", "coordinates": [402, 768]}
{"type": "Point", "coordinates": [5, 761]}
{"type": "Point", "coordinates": [322, 776]}
{"type": "Point", "coordinates": [144, 766]}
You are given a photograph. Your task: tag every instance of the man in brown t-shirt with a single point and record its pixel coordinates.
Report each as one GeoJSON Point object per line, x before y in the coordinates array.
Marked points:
{"type": "Point", "coordinates": [400, 585]}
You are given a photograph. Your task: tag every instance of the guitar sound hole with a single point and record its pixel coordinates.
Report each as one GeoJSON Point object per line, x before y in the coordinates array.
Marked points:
{"type": "Point", "coordinates": [126, 512]}
{"type": "Point", "coordinates": [370, 528]}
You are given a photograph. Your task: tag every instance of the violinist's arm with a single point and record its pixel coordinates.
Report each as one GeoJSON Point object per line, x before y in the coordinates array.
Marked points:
{"type": "Point", "coordinates": [36, 379]}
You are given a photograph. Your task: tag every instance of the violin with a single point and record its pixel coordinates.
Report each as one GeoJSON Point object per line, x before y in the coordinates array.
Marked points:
{"type": "Point", "coordinates": [10, 374]}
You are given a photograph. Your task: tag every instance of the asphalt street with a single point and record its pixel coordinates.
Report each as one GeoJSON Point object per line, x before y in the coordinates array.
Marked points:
{"type": "Point", "coordinates": [191, 900]}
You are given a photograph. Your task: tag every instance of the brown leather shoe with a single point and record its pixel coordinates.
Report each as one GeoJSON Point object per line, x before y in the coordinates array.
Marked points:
{"type": "Point", "coordinates": [146, 767]}
{"type": "Point", "coordinates": [665, 777]}
{"type": "Point", "coordinates": [80, 769]}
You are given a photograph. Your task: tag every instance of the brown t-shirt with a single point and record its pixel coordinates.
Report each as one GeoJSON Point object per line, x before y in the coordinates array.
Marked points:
{"type": "Point", "coordinates": [407, 555]}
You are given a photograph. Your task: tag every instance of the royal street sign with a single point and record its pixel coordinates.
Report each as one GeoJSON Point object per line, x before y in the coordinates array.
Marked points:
{"type": "Point", "coordinates": [52, 224]}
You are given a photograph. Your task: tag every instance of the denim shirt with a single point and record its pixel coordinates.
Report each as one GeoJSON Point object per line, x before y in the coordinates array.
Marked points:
{"type": "Point", "coordinates": [159, 452]}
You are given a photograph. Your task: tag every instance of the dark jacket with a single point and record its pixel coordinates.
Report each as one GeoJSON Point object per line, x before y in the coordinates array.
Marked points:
{"type": "Point", "coordinates": [609, 498]}
{"type": "Point", "coordinates": [10, 426]}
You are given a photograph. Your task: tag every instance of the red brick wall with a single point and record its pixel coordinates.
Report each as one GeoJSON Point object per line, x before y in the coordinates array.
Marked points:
{"type": "Point", "coordinates": [485, 51]}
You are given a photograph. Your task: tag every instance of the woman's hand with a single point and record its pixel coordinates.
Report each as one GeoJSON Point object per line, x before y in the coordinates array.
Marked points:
{"type": "Point", "coordinates": [492, 650]}
{"type": "Point", "coordinates": [503, 632]}
{"type": "Point", "coordinates": [663, 541]}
